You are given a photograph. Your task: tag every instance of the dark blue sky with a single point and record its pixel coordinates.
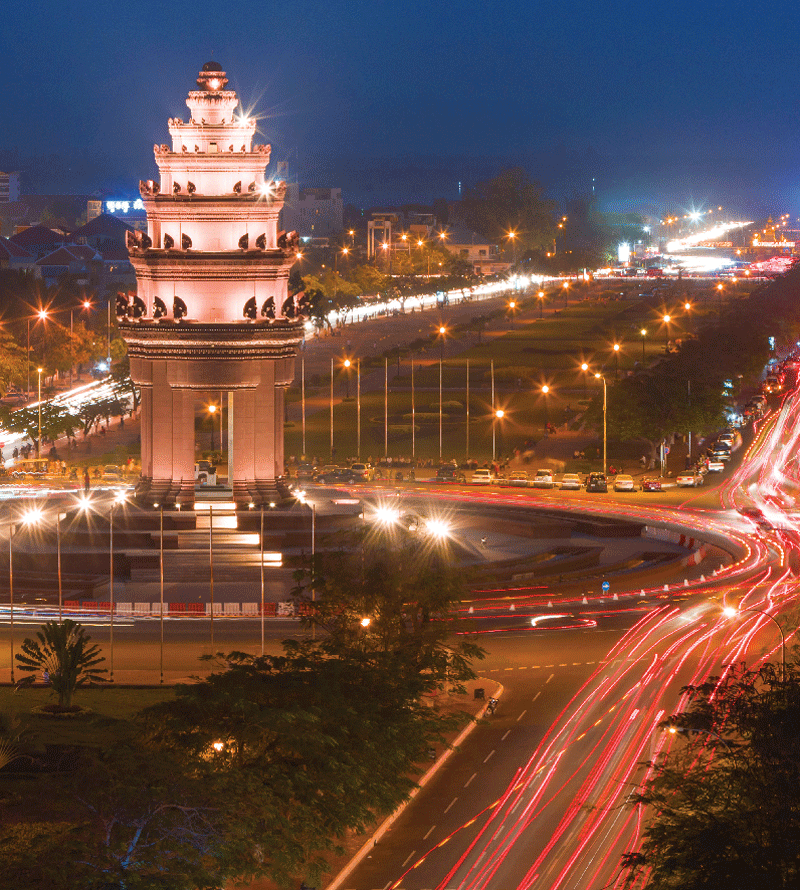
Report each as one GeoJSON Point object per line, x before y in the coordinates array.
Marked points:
{"type": "Point", "coordinates": [663, 103]}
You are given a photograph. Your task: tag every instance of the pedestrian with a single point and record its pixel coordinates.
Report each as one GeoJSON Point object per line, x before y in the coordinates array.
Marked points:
{"type": "Point", "coordinates": [86, 480]}
{"type": "Point", "coordinates": [63, 468]}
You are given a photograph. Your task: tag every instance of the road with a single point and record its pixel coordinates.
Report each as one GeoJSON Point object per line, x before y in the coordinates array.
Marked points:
{"type": "Point", "coordinates": [538, 797]}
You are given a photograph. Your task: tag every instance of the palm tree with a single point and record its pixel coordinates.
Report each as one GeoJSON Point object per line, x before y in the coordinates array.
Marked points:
{"type": "Point", "coordinates": [64, 651]}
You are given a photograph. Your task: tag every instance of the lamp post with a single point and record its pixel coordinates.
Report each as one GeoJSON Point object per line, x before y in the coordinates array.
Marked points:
{"type": "Point", "coordinates": [512, 237]}
{"type": "Point", "coordinates": [211, 569]}
{"type": "Point", "coordinates": [730, 612]}
{"type": "Point", "coordinates": [566, 294]}
{"type": "Point", "coordinates": [109, 335]}
{"type": "Point", "coordinates": [161, 586]}
{"type": "Point", "coordinates": [541, 304]}
{"type": "Point", "coordinates": [303, 397]}
{"type": "Point", "coordinates": [666, 319]}
{"type": "Point", "coordinates": [358, 408]}
{"type": "Point", "coordinates": [585, 368]}
{"type": "Point", "coordinates": [498, 416]}
{"type": "Point", "coordinates": [512, 306]}
{"type": "Point", "coordinates": [261, 568]}
{"type": "Point", "coordinates": [413, 415]}
{"type": "Point", "coordinates": [643, 332]}
{"type": "Point", "coordinates": [347, 364]}
{"type": "Point", "coordinates": [331, 408]}
{"type": "Point", "coordinates": [442, 333]}
{"type": "Point", "coordinates": [605, 411]}
{"type": "Point", "coordinates": [118, 499]}
{"type": "Point", "coordinates": [545, 391]}
{"type": "Point", "coordinates": [616, 361]}
{"type": "Point", "coordinates": [212, 409]}
{"type": "Point", "coordinates": [39, 438]}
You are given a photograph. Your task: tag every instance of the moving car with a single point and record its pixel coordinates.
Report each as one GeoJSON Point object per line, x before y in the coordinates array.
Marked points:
{"type": "Point", "coordinates": [720, 451]}
{"type": "Point", "coordinates": [332, 475]}
{"type": "Point", "coordinates": [623, 482]}
{"type": "Point", "coordinates": [715, 465]}
{"type": "Point", "coordinates": [689, 479]}
{"type": "Point", "coordinates": [596, 482]}
{"type": "Point", "coordinates": [482, 477]}
{"type": "Point", "coordinates": [571, 481]}
{"type": "Point", "coordinates": [305, 472]}
{"type": "Point", "coordinates": [543, 479]}
{"type": "Point", "coordinates": [519, 479]}
{"type": "Point", "coordinates": [651, 483]}
{"type": "Point", "coordinates": [449, 474]}
{"type": "Point", "coordinates": [112, 473]}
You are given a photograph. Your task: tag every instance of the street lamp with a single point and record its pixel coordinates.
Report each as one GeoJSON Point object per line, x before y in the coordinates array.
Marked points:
{"type": "Point", "coordinates": [731, 612]}
{"type": "Point", "coordinates": [545, 391]}
{"type": "Point", "coordinates": [442, 334]}
{"type": "Point", "coordinates": [666, 319]}
{"type": "Point", "coordinates": [584, 368]}
{"type": "Point", "coordinates": [512, 237]}
{"type": "Point", "coordinates": [499, 414]}
{"type": "Point", "coordinates": [566, 293]}
{"type": "Point", "coordinates": [39, 439]}
{"type": "Point", "coordinates": [643, 332]}
{"type": "Point", "coordinates": [512, 306]}
{"type": "Point", "coordinates": [541, 304]}
{"type": "Point", "coordinates": [119, 498]}
{"type": "Point", "coordinates": [347, 363]}
{"type": "Point", "coordinates": [212, 410]}
{"type": "Point", "coordinates": [616, 361]}
{"type": "Point", "coordinates": [605, 411]}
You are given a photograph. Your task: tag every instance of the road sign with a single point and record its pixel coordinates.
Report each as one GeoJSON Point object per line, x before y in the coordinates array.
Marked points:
{"type": "Point", "coordinates": [606, 586]}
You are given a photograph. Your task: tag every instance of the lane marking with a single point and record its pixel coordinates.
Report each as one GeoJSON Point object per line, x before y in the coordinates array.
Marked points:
{"type": "Point", "coordinates": [522, 715]}
{"type": "Point", "coordinates": [489, 755]}
{"type": "Point", "coordinates": [470, 779]}
{"type": "Point", "coordinates": [409, 857]}
{"type": "Point", "coordinates": [429, 832]}
{"type": "Point", "coordinates": [504, 737]}
{"type": "Point", "coordinates": [536, 696]}
{"type": "Point", "coordinates": [549, 678]}
{"type": "Point", "coordinates": [451, 804]}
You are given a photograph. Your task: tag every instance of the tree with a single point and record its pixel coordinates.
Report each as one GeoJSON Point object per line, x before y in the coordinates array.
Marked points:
{"type": "Point", "coordinates": [57, 420]}
{"type": "Point", "coordinates": [64, 651]}
{"type": "Point", "coordinates": [724, 801]}
{"type": "Point", "coordinates": [511, 201]}
{"type": "Point", "coordinates": [13, 363]}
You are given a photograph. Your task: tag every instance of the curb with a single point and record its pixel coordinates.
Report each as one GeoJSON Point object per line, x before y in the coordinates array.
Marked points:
{"type": "Point", "coordinates": [389, 820]}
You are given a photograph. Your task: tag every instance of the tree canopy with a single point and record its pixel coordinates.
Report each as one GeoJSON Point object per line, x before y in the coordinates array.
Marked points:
{"type": "Point", "coordinates": [723, 801]}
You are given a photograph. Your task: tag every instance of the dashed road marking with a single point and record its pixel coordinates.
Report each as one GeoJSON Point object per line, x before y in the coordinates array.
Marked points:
{"type": "Point", "coordinates": [504, 737]}
{"type": "Point", "coordinates": [451, 804]}
{"type": "Point", "coordinates": [537, 695]}
{"type": "Point", "coordinates": [549, 678]}
{"type": "Point", "coordinates": [489, 755]}
{"type": "Point", "coordinates": [409, 857]}
{"type": "Point", "coordinates": [430, 831]}
{"type": "Point", "coordinates": [522, 715]}
{"type": "Point", "coordinates": [466, 784]}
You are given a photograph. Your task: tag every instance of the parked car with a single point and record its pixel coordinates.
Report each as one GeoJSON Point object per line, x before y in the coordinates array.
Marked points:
{"type": "Point", "coordinates": [518, 479]}
{"type": "Point", "coordinates": [333, 475]}
{"type": "Point", "coordinates": [482, 477]}
{"type": "Point", "coordinates": [622, 482]}
{"type": "Point", "coordinates": [362, 472]}
{"type": "Point", "coordinates": [306, 472]}
{"type": "Point", "coordinates": [689, 479]}
{"type": "Point", "coordinates": [596, 482]}
{"type": "Point", "coordinates": [449, 474]}
{"type": "Point", "coordinates": [543, 479]}
{"type": "Point", "coordinates": [112, 473]}
{"type": "Point", "coordinates": [715, 465]}
{"type": "Point", "coordinates": [651, 483]}
{"type": "Point", "coordinates": [571, 481]}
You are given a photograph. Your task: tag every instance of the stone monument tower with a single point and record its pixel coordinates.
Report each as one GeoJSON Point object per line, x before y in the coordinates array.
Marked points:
{"type": "Point", "coordinates": [211, 313]}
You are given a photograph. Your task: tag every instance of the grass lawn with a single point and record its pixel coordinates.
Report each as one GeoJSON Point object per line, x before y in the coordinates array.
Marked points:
{"type": "Point", "coordinates": [113, 709]}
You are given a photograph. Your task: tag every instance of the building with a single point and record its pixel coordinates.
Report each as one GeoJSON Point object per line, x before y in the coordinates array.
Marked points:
{"type": "Point", "coordinates": [38, 240]}
{"type": "Point", "coordinates": [485, 257]}
{"type": "Point", "coordinates": [312, 212]}
{"type": "Point", "coordinates": [78, 261]}
{"type": "Point", "coordinates": [16, 258]}
{"type": "Point", "coordinates": [9, 187]}
{"type": "Point", "coordinates": [212, 313]}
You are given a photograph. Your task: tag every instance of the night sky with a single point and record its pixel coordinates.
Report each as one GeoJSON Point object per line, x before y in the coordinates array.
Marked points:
{"type": "Point", "coordinates": [665, 104]}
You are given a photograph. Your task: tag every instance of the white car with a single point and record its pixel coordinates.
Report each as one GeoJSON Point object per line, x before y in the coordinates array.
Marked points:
{"type": "Point", "coordinates": [689, 479]}
{"type": "Point", "coordinates": [543, 479]}
{"type": "Point", "coordinates": [624, 483]}
{"type": "Point", "coordinates": [571, 481]}
{"type": "Point", "coordinates": [715, 466]}
{"type": "Point", "coordinates": [518, 479]}
{"type": "Point", "coordinates": [482, 477]}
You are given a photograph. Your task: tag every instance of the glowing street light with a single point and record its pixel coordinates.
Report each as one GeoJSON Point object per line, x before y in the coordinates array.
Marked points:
{"type": "Point", "coordinates": [585, 368]}
{"type": "Point", "coordinates": [566, 293]}
{"type": "Point", "coordinates": [605, 412]}
{"type": "Point", "coordinates": [442, 334]}
{"type": "Point", "coordinates": [666, 319]}
{"type": "Point", "coordinates": [212, 410]}
{"type": "Point", "coordinates": [512, 306]}
{"type": "Point", "coordinates": [512, 237]}
{"type": "Point", "coordinates": [643, 333]}
{"type": "Point", "coordinates": [499, 414]}
{"type": "Point", "coordinates": [39, 438]}
{"type": "Point", "coordinates": [541, 303]}
{"type": "Point", "coordinates": [545, 391]}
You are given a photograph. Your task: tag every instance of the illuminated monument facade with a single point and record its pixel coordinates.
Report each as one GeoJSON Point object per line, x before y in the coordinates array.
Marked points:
{"type": "Point", "coordinates": [211, 314]}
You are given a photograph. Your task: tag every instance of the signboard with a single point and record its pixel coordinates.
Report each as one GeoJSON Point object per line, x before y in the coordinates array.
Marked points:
{"type": "Point", "coordinates": [124, 206]}
{"type": "Point", "coordinates": [787, 244]}
{"type": "Point", "coordinates": [606, 586]}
